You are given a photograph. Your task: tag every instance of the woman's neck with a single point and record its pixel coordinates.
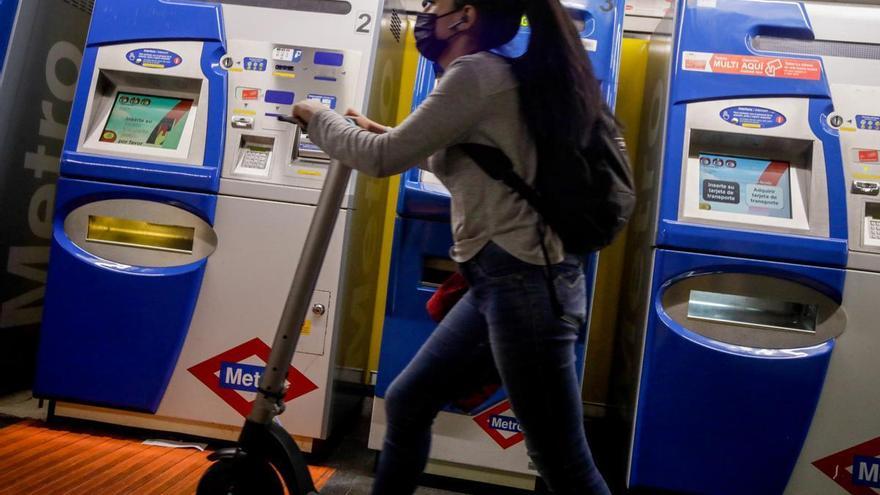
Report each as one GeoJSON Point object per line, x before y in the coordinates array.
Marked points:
{"type": "Point", "coordinates": [459, 46]}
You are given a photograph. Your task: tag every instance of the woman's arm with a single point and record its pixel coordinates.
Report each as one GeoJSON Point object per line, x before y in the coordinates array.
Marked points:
{"type": "Point", "coordinates": [451, 110]}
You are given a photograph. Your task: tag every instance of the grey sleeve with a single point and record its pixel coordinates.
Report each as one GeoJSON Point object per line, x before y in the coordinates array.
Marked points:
{"type": "Point", "coordinates": [450, 111]}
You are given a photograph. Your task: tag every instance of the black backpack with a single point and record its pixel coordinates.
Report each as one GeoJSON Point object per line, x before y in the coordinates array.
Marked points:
{"type": "Point", "coordinates": [586, 199]}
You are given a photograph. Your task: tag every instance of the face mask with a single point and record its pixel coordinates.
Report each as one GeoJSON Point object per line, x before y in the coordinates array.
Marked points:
{"type": "Point", "coordinates": [427, 42]}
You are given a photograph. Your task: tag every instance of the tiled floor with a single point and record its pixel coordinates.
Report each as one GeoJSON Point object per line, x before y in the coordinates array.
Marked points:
{"type": "Point", "coordinates": [346, 452]}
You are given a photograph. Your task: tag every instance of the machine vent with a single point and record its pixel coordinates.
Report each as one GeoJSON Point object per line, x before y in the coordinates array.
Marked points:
{"type": "Point", "coordinates": [396, 25]}
{"type": "Point", "coordinates": [338, 7]}
{"type": "Point", "coordinates": [816, 47]}
{"type": "Point", "coordinates": [84, 5]}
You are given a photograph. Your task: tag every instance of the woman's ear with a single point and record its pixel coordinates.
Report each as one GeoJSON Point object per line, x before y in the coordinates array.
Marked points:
{"type": "Point", "coordinates": [468, 18]}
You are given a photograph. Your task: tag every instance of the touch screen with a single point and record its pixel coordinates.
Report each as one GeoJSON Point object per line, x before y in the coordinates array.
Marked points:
{"type": "Point", "coordinates": [146, 120]}
{"type": "Point", "coordinates": [743, 185]}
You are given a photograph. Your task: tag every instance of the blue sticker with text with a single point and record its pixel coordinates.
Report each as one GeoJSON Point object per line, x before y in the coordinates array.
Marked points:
{"type": "Point", "coordinates": [505, 423]}
{"type": "Point", "coordinates": [866, 471]}
{"type": "Point", "coordinates": [154, 58]}
{"type": "Point", "coordinates": [753, 117]}
{"type": "Point", "coordinates": [255, 64]}
{"type": "Point", "coordinates": [868, 122]}
{"type": "Point", "coordinates": [327, 100]}
{"type": "Point", "coordinates": [238, 376]}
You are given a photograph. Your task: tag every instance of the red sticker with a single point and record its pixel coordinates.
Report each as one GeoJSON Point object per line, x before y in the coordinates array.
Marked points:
{"type": "Point", "coordinates": [749, 65]}
{"type": "Point", "coordinates": [250, 94]}
{"type": "Point", "coordinates": [869, 156]}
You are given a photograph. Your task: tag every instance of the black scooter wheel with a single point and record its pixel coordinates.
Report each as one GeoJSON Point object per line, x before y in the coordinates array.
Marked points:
{"type": "Point", "coordinates": [240, 477]}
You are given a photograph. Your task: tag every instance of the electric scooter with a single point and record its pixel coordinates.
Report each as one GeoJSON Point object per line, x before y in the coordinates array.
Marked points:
{"type": "Point", "coordinates": [265, 450]}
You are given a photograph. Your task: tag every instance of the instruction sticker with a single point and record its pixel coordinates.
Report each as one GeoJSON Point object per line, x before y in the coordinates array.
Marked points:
{"type": "Point", "coordinates": [749, 65]}
{"type": "Point", "coordinates": [753, 117]}
{"type": "Point", "coordinates": [868, 122]}
{"type": "Point", "coordinates": [328, 101]}
{"type": "Point", "coordinates": [154, 58]}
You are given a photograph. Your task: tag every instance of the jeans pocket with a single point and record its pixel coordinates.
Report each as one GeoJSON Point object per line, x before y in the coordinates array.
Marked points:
{"type": "Point", "coordinates": [571, 291]}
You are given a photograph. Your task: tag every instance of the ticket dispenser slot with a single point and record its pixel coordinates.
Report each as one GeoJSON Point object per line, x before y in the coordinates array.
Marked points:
{"type": "Point", "coordinates": [756, 311]}
{"type": "Point", "coordinates": [435, 271]}
{"type": "Point", "coordinates": [309, 151]}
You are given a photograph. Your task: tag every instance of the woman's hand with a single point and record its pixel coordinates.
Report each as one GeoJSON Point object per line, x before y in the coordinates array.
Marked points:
{"type": "Point", "coordinates": [365, 123]}
{"type": "Point", "coordinates": [305, 110]}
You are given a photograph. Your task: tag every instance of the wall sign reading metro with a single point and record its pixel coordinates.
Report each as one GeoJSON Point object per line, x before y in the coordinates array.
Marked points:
{"type": "Point", "coordinates": [743, 185]}
{"type": "Point", "coordinates": [146, 120]}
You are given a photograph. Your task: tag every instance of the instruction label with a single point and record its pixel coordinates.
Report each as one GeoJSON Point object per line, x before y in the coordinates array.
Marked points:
{"type": "Point", "coordinates": [750, 65]}
{"type": "Point", "coordinates": [753, 117]}
{"type": "Point", "coordinates": [154, 58]}
{"type": "Point", "coordinates": [868, 122]}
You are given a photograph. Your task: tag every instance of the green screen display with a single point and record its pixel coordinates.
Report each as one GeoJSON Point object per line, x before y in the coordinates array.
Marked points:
{"type": "Point", "coordinates": [146, 120]}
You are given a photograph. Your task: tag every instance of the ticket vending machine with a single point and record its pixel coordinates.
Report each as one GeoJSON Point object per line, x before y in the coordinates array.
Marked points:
{"type": "Point", "coordinates": [758, 371]}
{"type": "Point", "coordinates": [483, 444]}
{"type": "Point", "coordinates": [184, 204]}
{"type": "Point", "coordinates": [8, 9]}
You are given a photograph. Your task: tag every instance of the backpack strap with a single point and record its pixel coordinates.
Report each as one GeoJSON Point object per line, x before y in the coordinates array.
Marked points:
{"type": "Point", "coordinates": [498, 166]}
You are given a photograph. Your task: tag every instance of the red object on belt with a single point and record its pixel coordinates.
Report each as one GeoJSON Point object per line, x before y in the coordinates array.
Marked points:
{"type": "Point", "coordinates": [449, 292]}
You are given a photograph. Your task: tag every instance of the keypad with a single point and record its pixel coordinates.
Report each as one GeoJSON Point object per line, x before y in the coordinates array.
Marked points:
{"type": "Point", "coordinates": [874, 229]}
{"type": "Point", "coordinates": [255, 160]}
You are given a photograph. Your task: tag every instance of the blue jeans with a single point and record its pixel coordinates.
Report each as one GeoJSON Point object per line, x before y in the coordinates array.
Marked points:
{"type": "Point", "coordinates": [505, 325]}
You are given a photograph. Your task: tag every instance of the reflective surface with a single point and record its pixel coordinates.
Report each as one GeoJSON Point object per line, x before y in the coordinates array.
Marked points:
{"type": "Point", "coordinates": [752, 311]}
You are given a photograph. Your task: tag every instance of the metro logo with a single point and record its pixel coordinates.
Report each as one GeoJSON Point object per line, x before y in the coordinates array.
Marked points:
{"type": "Point", "coordinates": [856, 469]}
{"type": "Point", "coordinates": [227, 376]}
{"type": "Point", "coordinates": [505, 423]}
{"type": "Point", "coordinates": [504, 430]}
{"type": "Point", "coordinates": [239, 376]}
{"type": "Point", "coordinates": [866, 471]}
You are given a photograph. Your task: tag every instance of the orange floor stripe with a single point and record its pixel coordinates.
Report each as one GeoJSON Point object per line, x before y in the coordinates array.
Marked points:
{"type": "Point", "coordinates": [50, 460]}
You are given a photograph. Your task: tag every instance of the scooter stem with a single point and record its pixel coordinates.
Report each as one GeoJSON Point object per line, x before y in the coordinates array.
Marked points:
{"type": "Point", "coordinates": [269, 402]}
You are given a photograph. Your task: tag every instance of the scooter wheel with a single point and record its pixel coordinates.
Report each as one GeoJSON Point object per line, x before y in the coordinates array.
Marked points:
{"type": "Point", "coordinates": [240, 477]}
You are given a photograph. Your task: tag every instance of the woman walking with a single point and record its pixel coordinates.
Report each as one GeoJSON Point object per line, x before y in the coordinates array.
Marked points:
{"type": "Point", "coordinates": [530, 108]}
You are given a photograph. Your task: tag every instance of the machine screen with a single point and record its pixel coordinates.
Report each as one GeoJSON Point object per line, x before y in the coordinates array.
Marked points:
{"type": "Point", "coordinates": [743, 185]}
{"type": "Point", "coordinates": [147, 120]}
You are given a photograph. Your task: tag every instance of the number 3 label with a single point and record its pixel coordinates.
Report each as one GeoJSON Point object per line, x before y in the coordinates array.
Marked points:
{"type": "Point", "coordinates": [364, 24]}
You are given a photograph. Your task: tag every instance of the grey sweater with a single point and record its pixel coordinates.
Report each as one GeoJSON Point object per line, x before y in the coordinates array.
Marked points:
{"type": "Point", "coordinates": [476, 101]}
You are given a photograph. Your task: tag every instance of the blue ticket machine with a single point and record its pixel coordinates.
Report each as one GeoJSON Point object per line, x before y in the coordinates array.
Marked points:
{"type": "Point", "coordinates": [8, 9]}
{"type": "Point", "coordinates": [420, 263]}
{"type": "Point", "coordinates": [184, 203]}
{"type": "Point", "coordinates": [766, 180]}
{"type": "Point", "coordinates": [146, 136]}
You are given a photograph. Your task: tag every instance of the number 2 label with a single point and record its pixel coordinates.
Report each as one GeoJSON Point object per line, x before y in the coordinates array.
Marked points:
{"type": "Point", "coordinates": [364, 23]}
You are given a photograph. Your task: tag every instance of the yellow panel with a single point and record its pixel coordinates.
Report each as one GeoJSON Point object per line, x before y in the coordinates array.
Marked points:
{"type": "Point", "coordinates": [633, 66]}
{"type": "Point", "coordinates": [369, 239]}
{"type": "Point", "coordinates": [410, 65]}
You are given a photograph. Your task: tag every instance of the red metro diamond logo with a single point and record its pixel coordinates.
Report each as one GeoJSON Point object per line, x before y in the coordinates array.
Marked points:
{"type": "Point", "coordinates": [856, 469]}
{"type": "Point", "coordinates": [504, 429]}
{"type": "Point", "coordinates": [225, 375]}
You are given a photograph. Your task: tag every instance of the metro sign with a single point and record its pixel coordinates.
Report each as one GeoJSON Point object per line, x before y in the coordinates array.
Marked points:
{"type": "Point", "coordinates": [226, 375]}
{"type": "Point", "coordinates": [856, 469]}
{"type": "Point", "coordinates": [503, 429]}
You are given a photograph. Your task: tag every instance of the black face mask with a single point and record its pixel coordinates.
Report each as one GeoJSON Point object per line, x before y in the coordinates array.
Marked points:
{"type": "Point", "coordinates": [427, 42]}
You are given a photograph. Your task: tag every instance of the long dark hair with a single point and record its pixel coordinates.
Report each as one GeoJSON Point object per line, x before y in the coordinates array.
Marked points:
{"type": "Point", "coordinates": [559, 94]}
